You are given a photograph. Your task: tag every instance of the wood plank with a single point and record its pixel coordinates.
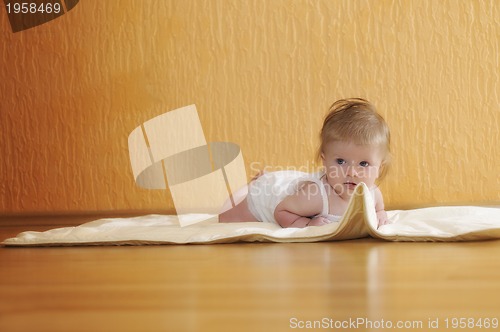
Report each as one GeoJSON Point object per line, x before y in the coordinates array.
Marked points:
{"type": "Point", "coordinates": [245, 286]}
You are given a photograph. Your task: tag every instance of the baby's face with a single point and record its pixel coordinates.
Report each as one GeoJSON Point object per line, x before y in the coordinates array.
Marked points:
{"type": "Point", "coordinates": [348, 164]}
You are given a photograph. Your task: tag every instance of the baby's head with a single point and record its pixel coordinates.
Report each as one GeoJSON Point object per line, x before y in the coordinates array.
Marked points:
{"type": "Point", "coordinates": [356, 121]}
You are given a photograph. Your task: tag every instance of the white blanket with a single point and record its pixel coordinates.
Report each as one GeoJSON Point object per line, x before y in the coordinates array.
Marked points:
{"type": "Point", "coordinates": [452, 223]}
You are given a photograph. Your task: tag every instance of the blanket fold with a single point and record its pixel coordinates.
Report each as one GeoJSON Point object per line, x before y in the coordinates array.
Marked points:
{"type": "Point", "coordinates": [448, 223]}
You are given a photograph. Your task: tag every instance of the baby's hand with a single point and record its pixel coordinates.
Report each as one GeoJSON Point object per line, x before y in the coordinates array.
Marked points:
{"type": "Point", "coordinates": [318, 221]}
{"type": "Point", "coordinates": [382, 218]}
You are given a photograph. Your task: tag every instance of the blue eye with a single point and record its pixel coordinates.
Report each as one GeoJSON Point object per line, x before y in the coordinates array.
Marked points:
{"type": "Point", "coordinates": [364, 164]}
{"type": "Point", "coordinates": [340, 161]}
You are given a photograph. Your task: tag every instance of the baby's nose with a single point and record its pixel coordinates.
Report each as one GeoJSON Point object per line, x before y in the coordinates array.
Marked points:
{"type": "Point", "coordinates": [352, 171]}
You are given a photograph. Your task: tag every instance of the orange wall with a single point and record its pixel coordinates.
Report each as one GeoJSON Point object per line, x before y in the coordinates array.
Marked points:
{"type": "Point", "coordinates": [262, 74]}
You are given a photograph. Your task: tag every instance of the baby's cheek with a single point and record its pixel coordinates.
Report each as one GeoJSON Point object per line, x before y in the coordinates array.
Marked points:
{"type": "Point", "coordinates": [373, 172]}
{"type": "Point", "coordinates": [332, 172]}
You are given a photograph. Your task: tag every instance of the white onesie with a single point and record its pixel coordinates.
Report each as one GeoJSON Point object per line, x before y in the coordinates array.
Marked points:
{"type": "Point", "coordinates": [268, 190]}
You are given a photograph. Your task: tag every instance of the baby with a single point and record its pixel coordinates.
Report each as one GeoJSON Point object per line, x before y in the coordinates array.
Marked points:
{"type": "Point", "coordinates": [355, 148]}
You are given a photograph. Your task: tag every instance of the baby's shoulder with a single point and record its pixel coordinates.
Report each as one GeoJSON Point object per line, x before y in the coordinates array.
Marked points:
{"type": "Point", "coordinates": [306, 200]}
{"type": "Point", "coordinates": [310, 188]}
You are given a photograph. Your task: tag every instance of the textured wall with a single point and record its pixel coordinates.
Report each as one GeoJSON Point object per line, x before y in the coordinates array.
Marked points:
{"type": "Point", "coordinates": [262, 74]}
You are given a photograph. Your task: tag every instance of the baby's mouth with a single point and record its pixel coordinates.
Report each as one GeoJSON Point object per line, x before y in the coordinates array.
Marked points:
{"type": "Point", "coordinates": [350, 184]}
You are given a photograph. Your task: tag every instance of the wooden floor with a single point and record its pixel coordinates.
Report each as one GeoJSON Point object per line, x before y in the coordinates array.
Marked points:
{"type": "Point", "coordinates": [352, 285]}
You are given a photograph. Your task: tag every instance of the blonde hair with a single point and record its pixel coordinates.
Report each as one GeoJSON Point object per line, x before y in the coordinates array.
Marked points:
{"type": "Point", "coordinates": [356, 120]}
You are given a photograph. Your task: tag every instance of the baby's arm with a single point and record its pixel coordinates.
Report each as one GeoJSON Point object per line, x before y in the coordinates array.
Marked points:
{"type": "Point", "coordinates": [295, 210]}
{"type": "Point", "coordinates": [380, 208]}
